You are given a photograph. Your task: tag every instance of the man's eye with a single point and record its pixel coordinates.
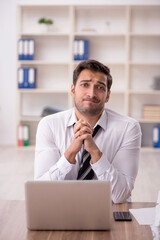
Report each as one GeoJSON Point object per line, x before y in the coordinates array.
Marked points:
{"type": "Point", "coordinates": [100, 88]}
{"type": "Point", "coordinates": [84, 84]}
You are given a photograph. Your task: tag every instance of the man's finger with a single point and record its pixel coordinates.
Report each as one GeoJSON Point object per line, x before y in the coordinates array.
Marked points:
{"type": "Point", "coordinates": [81, 124]}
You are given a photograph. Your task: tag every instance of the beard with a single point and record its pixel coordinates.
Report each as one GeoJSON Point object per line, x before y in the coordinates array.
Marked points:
{"type": "Point", "coordinates": [95, 108]}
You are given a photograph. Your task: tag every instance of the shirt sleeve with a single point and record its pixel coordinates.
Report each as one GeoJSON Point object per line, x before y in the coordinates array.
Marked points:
{"type": "Point", "coordinates": [48, 164]}
{"type": "Point", "coordinates": [123, 169]}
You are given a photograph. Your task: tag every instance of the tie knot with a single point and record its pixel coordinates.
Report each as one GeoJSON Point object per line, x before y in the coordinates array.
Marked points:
{"type": "Point", "coordinates": [96, 130]}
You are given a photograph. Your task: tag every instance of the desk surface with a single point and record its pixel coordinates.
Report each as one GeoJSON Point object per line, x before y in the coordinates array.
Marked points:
{"type": "Point", "coordinates": [13, 226]}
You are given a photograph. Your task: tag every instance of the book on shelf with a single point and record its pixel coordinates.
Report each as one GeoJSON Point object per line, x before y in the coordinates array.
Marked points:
{"type": "Point", "coordinates": [26, 77]}
{"type": "Point", "coordinates": [151, 112]}
{"type": "Point", "coordinates": [23, 135]}
{"type": "Point", "coordinates": [26, 49]}
{"type": "Point", "coordinates": [81, 50]}
{"type": "Point", "coordinates": [156, 137]}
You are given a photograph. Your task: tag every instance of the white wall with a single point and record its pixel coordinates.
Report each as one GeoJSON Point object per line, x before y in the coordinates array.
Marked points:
{"type": "Point", "coordinates": [7, 72]}
{"type": "Point", "coordinates": [8, 57]}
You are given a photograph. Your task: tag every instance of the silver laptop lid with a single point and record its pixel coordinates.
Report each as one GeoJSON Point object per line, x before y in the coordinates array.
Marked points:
{"type": "Point", "coordinates": [68, 205]}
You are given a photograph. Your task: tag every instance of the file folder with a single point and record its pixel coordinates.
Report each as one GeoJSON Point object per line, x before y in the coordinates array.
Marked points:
{"type": "Point", "coordinates": [76, 50]}
{"type": "Point", "coordinates": [81, 50]}
{"type": "Point", "coordinates": [20, 135]}
{"type": "Point", "coordinates": [156, 137]}
{"type": "Point", "coordinates": [20, 77]}
{"type": "Point", "coordinates": [20, 50]}
{"type": "Point", "coordinates": [25, 79]}
{"type": "Point", "coordinates": [26, 49]}
{"type": "Point", "coordinates": [31, 77]}
{"type": "Point", "coordinates": [31, 49]}
{"type": "Point", "coordinates": [26, 135]}
{"type": "Point", "coordinates": [86, 50]}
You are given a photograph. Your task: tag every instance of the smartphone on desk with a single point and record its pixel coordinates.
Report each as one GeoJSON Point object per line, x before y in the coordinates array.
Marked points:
{"type": "Point", "coordinates": [122, 216]}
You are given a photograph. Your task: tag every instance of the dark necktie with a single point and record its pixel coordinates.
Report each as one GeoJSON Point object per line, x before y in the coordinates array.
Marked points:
{"type": "Point", "coordinates": [85, 171]}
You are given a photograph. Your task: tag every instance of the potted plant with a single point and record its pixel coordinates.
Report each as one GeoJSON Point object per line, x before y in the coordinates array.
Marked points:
{"type": "Point", "coordinates": [45, 24]}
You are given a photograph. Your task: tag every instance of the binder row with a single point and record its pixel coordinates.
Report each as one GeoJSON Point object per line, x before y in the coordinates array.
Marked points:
{"type": "Point", "coordinates": [23, 135]}
{"type": "Point", "coordinates": [81, 50]}
{"type": "Point", "coordinates": [26, 49]}
{"type": "Point", "coordinates": [156, 137]}
{"type": "Point", "coordinates": [26, 77]}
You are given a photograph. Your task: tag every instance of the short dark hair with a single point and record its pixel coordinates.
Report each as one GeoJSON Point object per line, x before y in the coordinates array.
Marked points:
{"type": "Point", "coordinates": [93, 66]}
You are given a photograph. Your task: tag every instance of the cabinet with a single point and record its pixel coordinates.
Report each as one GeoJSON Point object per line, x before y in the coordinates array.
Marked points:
{"type": "Point", "coordinates": [126, 38]}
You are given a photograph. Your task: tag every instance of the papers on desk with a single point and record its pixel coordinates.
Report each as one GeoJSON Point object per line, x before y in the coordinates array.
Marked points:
{"type": "Point", "coordinates": [148, 216]}
{"type": "Point", "coordinates": [144, 216]}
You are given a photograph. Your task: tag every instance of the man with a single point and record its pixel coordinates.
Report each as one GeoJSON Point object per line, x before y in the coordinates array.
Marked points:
{"type": "Point", "coordinates": [67, 147]}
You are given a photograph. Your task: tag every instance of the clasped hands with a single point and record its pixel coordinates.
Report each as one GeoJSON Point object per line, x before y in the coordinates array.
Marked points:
{"type": "Point", "coordinates": [83, 135]}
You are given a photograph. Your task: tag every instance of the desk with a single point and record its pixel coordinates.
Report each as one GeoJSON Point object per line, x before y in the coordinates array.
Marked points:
{"type": "Point", "coordinates": [13, 226]}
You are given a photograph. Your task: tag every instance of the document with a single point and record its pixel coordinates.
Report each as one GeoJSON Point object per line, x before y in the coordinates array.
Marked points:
{"type": "Point", "coordinates": [144, 216]}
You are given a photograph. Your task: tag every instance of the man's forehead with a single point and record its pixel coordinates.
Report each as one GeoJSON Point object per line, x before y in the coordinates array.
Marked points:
{"type": "Point", "coordinates": [92, 76]}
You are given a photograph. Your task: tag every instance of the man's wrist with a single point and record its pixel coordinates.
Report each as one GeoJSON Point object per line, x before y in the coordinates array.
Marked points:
{"type": "Point", "coordinates": [70, 156]}
{"type": "Point", "coordinates": [95, 155]}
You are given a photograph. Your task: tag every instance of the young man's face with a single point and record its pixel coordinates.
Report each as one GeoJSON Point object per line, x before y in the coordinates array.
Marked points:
{"type": "Point", "coordinates": [90, 93]}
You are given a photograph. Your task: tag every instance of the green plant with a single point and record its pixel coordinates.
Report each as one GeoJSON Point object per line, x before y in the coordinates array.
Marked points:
{"type": "Point", "coordinates": [49, 22]}
{"type": "Point", "coordinates": [45, 21]}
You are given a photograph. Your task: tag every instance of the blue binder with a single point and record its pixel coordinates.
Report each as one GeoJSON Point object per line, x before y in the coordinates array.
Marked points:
{"type": "Point", "coordinates": [82, 47]}
{"type": "Point", "coordinates": [20, 77]}
{"type": "Point", "coordinates": [25, 80]}
{"type": "Point", "coordinates": [156, 137]}
{"type": "Point", "coordinates": [26, 49]}
{"type": "Point", "coordinates": [76, 56]}
{"type": "Point", "coordinates": [20, 50]}
{"type": "Point", "coordinates": [31, 49]}
{"type": "Point", "coordinates": [26, 77]}
{"type": "Point", "coordinates": [86, 50]}
{"type": "Point", "coordinates": [32, 78]}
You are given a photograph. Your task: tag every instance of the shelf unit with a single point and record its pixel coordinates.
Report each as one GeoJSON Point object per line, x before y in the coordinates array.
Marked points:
{"type": "Point", "coordinates": [126, 38]}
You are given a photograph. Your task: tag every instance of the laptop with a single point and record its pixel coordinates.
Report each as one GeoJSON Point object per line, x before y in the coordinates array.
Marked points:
{"type": "Point", "coordinates": [68, 205]}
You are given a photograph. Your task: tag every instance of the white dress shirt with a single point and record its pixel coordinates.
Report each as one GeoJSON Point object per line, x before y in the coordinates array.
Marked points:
{"type": "Point", "coordinates": [119, 140]}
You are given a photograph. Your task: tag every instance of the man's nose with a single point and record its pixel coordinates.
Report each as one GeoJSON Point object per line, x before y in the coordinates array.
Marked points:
{"type": "Point", "coordinates": [92, 91]}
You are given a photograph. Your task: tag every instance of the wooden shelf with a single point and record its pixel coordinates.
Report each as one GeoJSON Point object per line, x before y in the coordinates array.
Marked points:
{"type": "Point", "coordinates": [45, 34]}
{"type": "Point", "coordinates": [30, 119]}
{"type": "Point", "coordinates": [142, 120]}
{"type": "Point", "coordinates": [145, 63]}
{"type": "Point", "coordinates": [150, 150]}
{"type": "Point", "coordinates": [144, 34]}
{"type": "Point", "coordinates": [44, 91]}
{"type": "Point", "coordinates": [107, 63]}
{"type": "Point", "coordinates": [148, 92]}
{"type": "Point", "coordinates": [41, 62]}
{"type": "Point", "coordinates": [98, 34]}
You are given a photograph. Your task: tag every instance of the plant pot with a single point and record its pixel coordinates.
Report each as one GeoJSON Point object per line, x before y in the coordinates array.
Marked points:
{"type": "Point", "coordinates": [43, 28]}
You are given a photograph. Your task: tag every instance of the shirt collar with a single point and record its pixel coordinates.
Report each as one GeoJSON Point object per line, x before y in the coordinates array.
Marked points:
{"type": "Point", "coordinates": [103, 120]}
{"type": "Point", "coordinates": [72, 119]}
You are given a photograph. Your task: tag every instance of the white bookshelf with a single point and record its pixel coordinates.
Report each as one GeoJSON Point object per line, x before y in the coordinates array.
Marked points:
{"type": "Point", "coordinates": [126, 38]}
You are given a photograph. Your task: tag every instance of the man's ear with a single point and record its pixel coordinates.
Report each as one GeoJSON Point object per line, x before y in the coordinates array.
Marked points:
{"type": "Point", "coordinates": [108, 96]}
{"type": "Point", "coordinates": [72, 90]}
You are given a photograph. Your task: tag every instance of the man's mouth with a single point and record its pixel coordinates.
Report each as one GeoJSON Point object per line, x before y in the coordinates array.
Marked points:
{"type": "Point", "coordinates": [94, 100]}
